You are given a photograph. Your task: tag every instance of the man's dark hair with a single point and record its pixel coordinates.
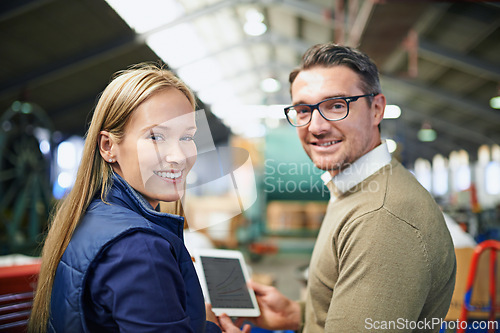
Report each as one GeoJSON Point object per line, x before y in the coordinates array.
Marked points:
{"type": "Point", "coordinates": [330, 54]}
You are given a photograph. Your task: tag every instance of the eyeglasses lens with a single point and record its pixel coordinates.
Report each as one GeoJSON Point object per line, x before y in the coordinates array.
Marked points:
{"type": "Point", "coordinates": [333, 109]}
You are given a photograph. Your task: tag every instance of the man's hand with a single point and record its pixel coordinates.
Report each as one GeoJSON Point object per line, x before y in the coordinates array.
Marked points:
{"type": "Point", "coordinates": [277, 312]}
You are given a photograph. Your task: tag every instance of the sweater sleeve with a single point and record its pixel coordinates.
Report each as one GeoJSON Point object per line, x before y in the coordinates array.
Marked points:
{"type": "Point", "coordinates": [137, 287]}
{"type": "Point", "coordinates": [384, 277]}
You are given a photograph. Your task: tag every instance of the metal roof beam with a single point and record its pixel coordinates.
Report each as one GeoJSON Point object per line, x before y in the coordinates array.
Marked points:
{"type": "Point", "coordinates": [433, 15]}
{"type": "Point", "coordinates": [59, 69]}
{"type": "Point", "coordinates": [359, 25]}
{"type": "Point", "coordinates": [447, 139]}
{"type": "Point", "coordinates": [307, 10]}
{"type": "Point", "coordinates": [456, 101]}
{"type": "Point", "coordinates": [444, 144]}
{"type": "Point", "coordinates": [120, 45]}
{"type": "Point", "coordinates": [302, 8]}
{"type": "Point", "coordinates": [267, 66]}
{"type": "Point", "coordinates": [469, 64]}
{"type": "Point", "coordinates": [11, 9]}
{"type": "Point", "coordinates": [444, 125]}
{"type": "Point", "coordinates": [451, 129]}
{"type": "Point", "coordinates": [270, 38]}
{"type": "Point", "coordinates": [413, 148]}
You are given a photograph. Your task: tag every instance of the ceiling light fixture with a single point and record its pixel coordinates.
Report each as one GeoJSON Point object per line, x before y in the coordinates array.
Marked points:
{"type": "Point", "coordinates": [426, 133]}
{"type": "Point", "coordinates": [270, 85]}
{"type": "Point", "coordinates": [254, 25]}
{"type": "Point", "coordinates": [392, 111]}
{"type": "Point", "coordinates": [391, 145]}
{"type": "Point", "coordinates": [495, 102]}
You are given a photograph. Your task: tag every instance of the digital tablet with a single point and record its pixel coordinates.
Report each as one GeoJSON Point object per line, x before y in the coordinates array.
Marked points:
{"type": "Point", "coordinates": [223, 277]}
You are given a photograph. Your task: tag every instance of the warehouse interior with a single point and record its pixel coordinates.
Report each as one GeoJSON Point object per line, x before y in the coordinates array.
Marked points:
{"type": "Point", "coordinates": [440, 72]}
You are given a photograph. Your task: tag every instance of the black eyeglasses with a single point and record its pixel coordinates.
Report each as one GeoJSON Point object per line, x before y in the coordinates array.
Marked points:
{"type": "Point", "coordinates": [332, 109]}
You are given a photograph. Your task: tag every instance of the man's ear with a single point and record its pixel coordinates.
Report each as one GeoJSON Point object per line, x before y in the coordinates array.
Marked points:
{"type": "Point", "coordinates": [378, 106]}
{"type": "Point", "coordinates": [107, 146]}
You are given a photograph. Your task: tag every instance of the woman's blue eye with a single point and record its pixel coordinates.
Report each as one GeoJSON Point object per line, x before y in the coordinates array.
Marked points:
{"type": "Point", "coordinates": [187, 138]}
{"type": "Point", "coordinates": [155, 137]}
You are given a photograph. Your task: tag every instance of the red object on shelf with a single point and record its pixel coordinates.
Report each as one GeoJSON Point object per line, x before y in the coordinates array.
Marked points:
{"type": "Point", "coordinates": [474, 202]}
{"type": "Point", "coordinates": [263, 248]}
{"type": "Point", "coordinates": [493, 246]}
{"type": "Point", "coordinates": [17, 284]}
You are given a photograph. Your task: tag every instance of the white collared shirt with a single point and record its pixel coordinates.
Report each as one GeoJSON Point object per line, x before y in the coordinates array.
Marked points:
{"type": "Point", "coordinates": [362, 168]}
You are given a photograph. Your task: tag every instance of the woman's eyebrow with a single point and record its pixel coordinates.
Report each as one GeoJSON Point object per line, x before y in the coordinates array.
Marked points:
{"type": "Point", "coordinates": [151, 128]}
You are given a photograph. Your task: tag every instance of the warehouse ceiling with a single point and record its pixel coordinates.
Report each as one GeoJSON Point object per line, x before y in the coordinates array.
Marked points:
{"type": "Point", "coordinates": [439, 61]}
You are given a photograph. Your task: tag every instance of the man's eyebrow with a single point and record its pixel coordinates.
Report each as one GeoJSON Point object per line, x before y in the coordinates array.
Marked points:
{"type": "Point", "coordinates": [332, 96]}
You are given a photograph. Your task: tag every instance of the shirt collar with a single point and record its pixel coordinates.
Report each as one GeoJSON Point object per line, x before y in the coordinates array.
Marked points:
{"type": "Point", "coordinates": [362, 168]}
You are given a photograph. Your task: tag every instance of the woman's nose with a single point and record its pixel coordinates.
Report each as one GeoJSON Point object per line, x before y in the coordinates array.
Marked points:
{"type": "Point", "coordinates": [174, 154]}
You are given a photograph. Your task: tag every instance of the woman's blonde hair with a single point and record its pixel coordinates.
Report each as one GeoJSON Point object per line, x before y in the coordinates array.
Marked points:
{"type": "Point", "coordinates": [127, 90]}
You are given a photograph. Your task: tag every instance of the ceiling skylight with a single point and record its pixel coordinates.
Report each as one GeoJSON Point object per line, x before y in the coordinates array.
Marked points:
{"type": "Point", "coordinates": [148, 14]}
{"type": "Point", "coordinates": [197, 51]}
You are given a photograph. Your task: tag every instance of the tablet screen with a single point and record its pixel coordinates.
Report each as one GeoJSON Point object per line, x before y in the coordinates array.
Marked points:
{"type": "Point", "coordinates": [226, 283]}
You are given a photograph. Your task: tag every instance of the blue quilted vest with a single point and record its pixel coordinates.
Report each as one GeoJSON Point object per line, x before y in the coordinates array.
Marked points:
{"type": "Point", "coordinates": [102, 225]}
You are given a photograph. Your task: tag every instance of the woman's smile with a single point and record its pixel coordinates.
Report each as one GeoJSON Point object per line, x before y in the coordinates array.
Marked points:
{"type": "Point", "coordinates": [171, 175]}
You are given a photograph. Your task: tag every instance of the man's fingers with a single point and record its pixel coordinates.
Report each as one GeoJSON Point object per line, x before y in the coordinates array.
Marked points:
{"type": "Point", "coordinates": [258, 288]}
{"type": "Point", "coordinates": [238, 322]}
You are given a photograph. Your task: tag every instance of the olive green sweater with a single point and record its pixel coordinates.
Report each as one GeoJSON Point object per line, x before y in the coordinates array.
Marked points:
{"type": "Point", "coordinates": [383, 260]}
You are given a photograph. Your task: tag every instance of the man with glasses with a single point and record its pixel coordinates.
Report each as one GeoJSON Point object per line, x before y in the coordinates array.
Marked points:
{"type": "Point", "coordinates": [383, 258]}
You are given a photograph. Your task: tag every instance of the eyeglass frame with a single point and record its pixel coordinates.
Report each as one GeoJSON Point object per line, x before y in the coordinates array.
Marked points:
{"type": "Point", "coordinates": [347, 99]}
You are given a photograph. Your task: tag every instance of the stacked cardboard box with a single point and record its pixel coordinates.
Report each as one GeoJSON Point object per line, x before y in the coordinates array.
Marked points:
{"type": "Point", "coordinates": [295, 215]}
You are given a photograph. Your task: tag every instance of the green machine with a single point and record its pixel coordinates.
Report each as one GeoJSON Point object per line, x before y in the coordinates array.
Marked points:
{"type": "Point", "coordinates": [292, 196]}
{"type": "Point", "coordinates": [289, 174]}
{"type": "Point", "coordinates": [25, 193]}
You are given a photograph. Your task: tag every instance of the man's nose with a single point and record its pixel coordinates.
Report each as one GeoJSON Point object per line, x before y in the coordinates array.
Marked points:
{"type": "Point", "coordinates": [318, 123]}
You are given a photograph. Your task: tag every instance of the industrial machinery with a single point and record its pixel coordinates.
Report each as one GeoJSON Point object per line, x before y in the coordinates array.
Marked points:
{"type": "Point", "coordinates": [25, 195]}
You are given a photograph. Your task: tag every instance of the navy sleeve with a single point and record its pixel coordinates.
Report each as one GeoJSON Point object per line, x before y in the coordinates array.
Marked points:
{"type": "Point", "coordinates": [137, 287]}
{"type": "Point", "coordinates": [212, 328]}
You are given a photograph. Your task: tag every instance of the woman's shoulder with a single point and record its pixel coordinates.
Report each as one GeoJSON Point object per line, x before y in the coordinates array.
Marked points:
{"type": "Point", "coordinates": [109, 216]}
{"type": "Point", "coordinates": [139, 240]}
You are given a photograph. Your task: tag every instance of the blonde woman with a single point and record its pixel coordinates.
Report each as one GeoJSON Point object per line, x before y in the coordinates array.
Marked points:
{"type": "Point", "coordinates": [111, 262]}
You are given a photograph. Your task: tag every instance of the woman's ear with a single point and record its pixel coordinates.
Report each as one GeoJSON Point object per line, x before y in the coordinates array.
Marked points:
{"type": "Point", "coordinates": [107, 146]}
